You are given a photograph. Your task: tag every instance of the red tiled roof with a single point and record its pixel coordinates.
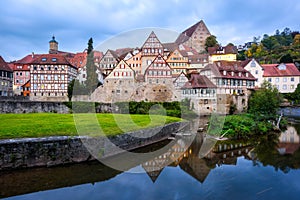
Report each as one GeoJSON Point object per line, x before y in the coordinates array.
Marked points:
{"type": "Point", "coordinates": [4, 66]}
{"type": "Point", "coordinates": [272, 70]}
{"type": "Point", "coordinates": [79, 59]}
{"type": "Point", "coordinates": [218, 49]}
{"type": "Point", "coordinates": [50, 59]}
{"type": "Point", "coordinates": [229, 66]}
{"type": "Point", "coordinates": [199, 81]}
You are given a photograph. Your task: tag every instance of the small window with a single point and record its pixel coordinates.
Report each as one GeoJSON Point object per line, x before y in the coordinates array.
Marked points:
{"type": "Point", "coordinates": [292, 79]}
{"type": "Point", "coordinates": [54, 59]}
{"type": "Point", "coordinates": [44, 59]}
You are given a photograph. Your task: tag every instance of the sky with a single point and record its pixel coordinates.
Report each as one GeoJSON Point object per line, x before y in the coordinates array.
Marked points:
{"type": "Point", "coordinates": [27, 26]}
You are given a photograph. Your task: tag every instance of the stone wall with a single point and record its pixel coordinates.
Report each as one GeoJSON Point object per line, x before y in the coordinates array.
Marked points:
{"type": "Point", "coordinates": [51, 151]}
{"type": "Point", "coordinates": [32, 107]}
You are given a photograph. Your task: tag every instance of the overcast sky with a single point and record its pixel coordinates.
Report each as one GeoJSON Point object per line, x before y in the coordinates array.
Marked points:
{"type": "Point", "coordinates": [28, 25]}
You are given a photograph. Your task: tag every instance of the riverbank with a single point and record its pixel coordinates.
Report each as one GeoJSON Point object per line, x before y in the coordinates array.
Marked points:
{"type": "Point", "coordinates": [244, 126]}
{"type": "Point", "coordinates": [60, 150]}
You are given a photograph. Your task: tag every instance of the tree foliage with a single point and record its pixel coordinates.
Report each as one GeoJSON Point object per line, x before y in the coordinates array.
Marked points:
{"type": "Point", "coordinates": [211, 41]}
{"type": "Point", "coordinates": [281, 47]}
{"type": "Point", "coordinates": [266, 101]}
{"type": "Point", "coordinates": [92, 77]}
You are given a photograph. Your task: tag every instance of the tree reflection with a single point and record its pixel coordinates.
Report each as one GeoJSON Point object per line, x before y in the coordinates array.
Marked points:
{"type": "Point", "coordinates": [283, 153]}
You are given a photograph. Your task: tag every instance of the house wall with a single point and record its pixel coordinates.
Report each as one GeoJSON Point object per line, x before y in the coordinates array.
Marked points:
{"type": "Point", "coordinates": [284, 84]}
{"type": "Point", "coordinates": [256, 70]}
{"type": "Point", "coordinates": [218, 57]}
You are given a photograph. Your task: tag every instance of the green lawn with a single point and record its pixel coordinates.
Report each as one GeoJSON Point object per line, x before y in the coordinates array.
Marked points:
{"type": "Point", "coordinates": [51, 124]}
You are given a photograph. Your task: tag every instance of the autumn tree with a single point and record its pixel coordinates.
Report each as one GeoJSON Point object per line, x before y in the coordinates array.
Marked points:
{"type": "Point", "coordinates": [92, 77]}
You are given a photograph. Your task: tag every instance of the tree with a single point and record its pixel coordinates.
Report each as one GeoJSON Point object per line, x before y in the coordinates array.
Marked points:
{"type": "Point", "coordinates": [265, 102]}
{"type": "Point", "coordinates": [297, 39]}
{"type": "Point", "coordinates": [75, 88]}
{"type": "Point", "coordinates": [210, 41]}
{"type": "Point", "coordinates": [92, 77]}
{"type": "Point", "coordinates": [286, 58]}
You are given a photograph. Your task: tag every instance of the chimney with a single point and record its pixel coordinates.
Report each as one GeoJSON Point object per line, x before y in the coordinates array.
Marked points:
{"type": "Point", "coordinates": [32, 54]}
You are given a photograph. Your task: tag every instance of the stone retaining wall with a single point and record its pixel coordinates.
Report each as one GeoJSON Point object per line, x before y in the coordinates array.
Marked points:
{"type": "Point", "coordinates": [51, 151]}
{"type": "Point", "coordinates": [32, 107]}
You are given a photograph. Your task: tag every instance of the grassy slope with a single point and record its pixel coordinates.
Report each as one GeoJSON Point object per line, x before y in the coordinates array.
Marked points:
{"type": "Point", "coordinates": [48, 124]}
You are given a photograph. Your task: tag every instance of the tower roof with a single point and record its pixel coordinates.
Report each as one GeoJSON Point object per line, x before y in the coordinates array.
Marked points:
{"type": "Point", "coordinates": [53, 40]}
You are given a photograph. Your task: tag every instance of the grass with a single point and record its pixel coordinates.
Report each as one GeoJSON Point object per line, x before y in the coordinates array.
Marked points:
{"type": "Point", "coordinates": [51, 124]}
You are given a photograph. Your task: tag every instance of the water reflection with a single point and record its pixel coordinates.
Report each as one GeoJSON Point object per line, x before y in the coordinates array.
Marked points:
{"type": "Point", "coordinates": [282, 152]}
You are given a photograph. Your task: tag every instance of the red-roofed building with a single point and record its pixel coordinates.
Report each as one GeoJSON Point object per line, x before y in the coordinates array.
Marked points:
{"type": "Point", "coordinates": [6, 79]}
{"type": "Point", "coordinates": [202, 92]}
{"type": "Point", "coordinates": [229, 77]}
{"type": "Point", "coordinates": [285, 76]}
{"type": "Point", "coordinates": [21, 70]}
{"type": "Point", "coordinates": [218, 53]}
{"type": "Point", "coordinates": [50, 75]}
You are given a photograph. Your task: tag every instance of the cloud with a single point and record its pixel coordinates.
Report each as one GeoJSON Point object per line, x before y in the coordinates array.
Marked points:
{"type": "Point", "coordinates": [28, 25]}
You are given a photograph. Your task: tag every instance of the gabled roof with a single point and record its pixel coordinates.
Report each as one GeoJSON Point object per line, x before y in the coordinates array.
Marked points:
{"type": "Point", "coordinates": [53, 59]}
{"type": "Point", "coordinates": [27, 59]}
{"type": "Point", "coordinates": [229, 49]}
{"type": "Point", "coordinates": [4, 66]}
{"type": "Point", "coordinates": [273, 70]}
{"type": "Point", "coordinates": [152, 41]}
{"type": "Point", "coordinates": [122, 52]}
{"type": "Point", "coordinates": [170, 46]}
{"type": "Point", "coordinates": [229, 66]}
{"type": "Point", "coordinates": [199, 81]}
{"type": "Point", "coordinates": [185, 35]}
{"type": "Point", "coordinates": [176, 76]}
{"type": "Point", "coordinates": [159, 58]}
{"type": "Point", "coordinates": [79, 59]}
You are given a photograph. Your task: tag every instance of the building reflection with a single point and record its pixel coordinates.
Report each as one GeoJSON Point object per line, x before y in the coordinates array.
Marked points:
{"type": "Point", "coordinates": [289, 141]}
{"type": "Point", "coordinates": [193, 163]}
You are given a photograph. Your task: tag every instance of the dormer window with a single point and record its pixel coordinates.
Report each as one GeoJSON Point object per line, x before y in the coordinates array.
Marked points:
{"type": "Point", "coordinates": [224, 73]}
{"type": "Point", "coordinates": [44, 59]}
{"type": "Point", "coordinates": [253, 64]}
{"type": "Point", "coordinates": [282, 67]}
{"type": "Point", "coordinates": [54, 59]}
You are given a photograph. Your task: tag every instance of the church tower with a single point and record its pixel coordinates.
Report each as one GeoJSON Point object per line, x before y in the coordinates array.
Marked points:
{"type": "Point", "coordinates": [53, 45]}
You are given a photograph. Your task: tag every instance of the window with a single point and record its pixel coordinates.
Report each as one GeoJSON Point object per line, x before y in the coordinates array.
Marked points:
{"type": "Point", "coordinates": [56, 77]}
{"type": "Point", "coordinates": [292, 79]}
{"type": "Point", "coordinates": [284, 87]}
{"type": "Point", "coordinates": [62, 86]}
{"type": "Point", "coordinates": [256, 71]}
{"type": "Point", "coordinates": [54, 59]}
{"type": "Point", "coordinates": [284, 79]}
{"type": "Point", "coordinates": [34, 67]}
{"type": "Point", "coordinates": [42, 77]}
{"type": "Point", "coordinates": [292, 87]}
{"type": "Point", "coordinates": [44, 59]}
{"type": "Point", "coordinates": [270, 80]}
{"type": "Point", "coordinates": [276, 80]}
{"type": "Point", "coordinates": [35, 77]}
{"type": "Point", "coordinates": [49, 68]}
{"type": "Point", "coordinates": [224, 73]}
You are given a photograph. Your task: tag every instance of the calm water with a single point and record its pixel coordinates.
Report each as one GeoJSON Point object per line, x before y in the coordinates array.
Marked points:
{"type": "Point", "coordinates": [264, 168]}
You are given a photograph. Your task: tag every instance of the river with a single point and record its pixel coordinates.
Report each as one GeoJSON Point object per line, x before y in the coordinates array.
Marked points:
{"type": "Point", "coordinates": [261, 168]}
